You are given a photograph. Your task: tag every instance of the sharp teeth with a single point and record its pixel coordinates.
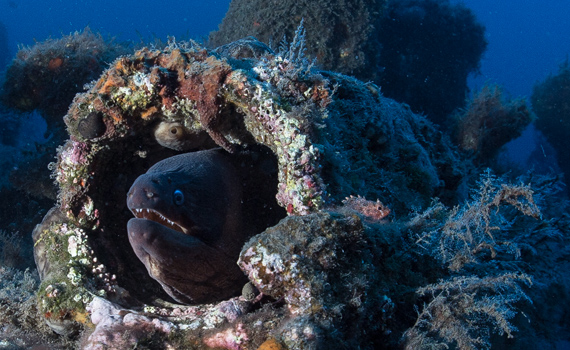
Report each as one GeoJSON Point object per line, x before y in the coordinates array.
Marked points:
{"type": "Point", "coordinates": [154, 215]}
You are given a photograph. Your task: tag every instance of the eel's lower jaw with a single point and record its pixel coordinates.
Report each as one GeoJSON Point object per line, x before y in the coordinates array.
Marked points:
{"type": "Point", "coordinates": [153, 215]}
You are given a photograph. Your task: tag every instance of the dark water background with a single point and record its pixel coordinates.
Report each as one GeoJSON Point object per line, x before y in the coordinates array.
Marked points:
{"type": "Point", "coordinates": [27, 21]}
{"type": "Point", "coordinates": [528, 39]}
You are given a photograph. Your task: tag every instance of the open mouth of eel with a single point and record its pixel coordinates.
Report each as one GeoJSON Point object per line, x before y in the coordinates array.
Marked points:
{"type": "Point", "coordinates": [156, 216]}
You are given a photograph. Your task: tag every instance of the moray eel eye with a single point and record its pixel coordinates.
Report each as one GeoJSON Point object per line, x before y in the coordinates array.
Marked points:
{"type": "Point", "coordinates": [174, 130]}
{"type": "Point", "coordinates": [178, 197]}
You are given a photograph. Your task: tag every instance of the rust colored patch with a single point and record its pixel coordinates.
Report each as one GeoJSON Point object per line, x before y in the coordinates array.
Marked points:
{"type": "Point", "coordinates": [203, 85]}
{"type": "Point", "coordinates": [166, 96]}
{"type": "Point", "coordinates": [98, 105]}
{"type": "Point", "coordinates": [271, 344]}
{"type": "Point", "coordinates": [113, 81]}
{"type": "Point", "coordinates": [175, 61]}
{"type": "Point", "coordinates": [321, 95]}
{"type": "Point", "coordinates": [167, 83]}
{"type": "Point", "coordinates": [149, 112]}
{"type": "Point", "coordinates": [115, 113]}
{"type": "Point", "coordinates": [55, 63]}
{"type": "Point", "coordinates": [121, 66]}
{"type": "Point", "coordinates": [155, 77]}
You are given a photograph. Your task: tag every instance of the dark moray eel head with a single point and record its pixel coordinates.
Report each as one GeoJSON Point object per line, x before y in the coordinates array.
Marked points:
{"type": "Point", "coordinates": [188, 227]}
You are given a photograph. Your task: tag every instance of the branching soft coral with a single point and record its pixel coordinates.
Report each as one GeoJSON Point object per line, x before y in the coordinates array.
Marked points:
{"type": "Point", "coordinates": [480, 236]}
{"type": "Point", "coordinates": [461, 307]}
{"type": "Point", "coordinates": [470, 231]}
{"type": "Point", "coordinates": [17, 297]}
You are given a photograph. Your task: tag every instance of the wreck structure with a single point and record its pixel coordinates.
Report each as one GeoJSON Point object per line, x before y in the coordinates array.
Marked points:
{"type": "Point", "coordinates": [344, 159]}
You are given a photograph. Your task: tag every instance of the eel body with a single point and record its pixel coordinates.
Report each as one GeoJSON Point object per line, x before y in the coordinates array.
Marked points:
{"type": "Point", "coordinates": [189, 225]}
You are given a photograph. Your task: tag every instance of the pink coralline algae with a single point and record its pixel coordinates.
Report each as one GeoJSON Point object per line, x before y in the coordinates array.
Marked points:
{"type": "Point", "coordinates": [185, 325]}
{"type": "Point", "coordinates": [231, 339]}
{"type": "Point", "coordinates": [111, 320]}
{"type": "Point", "coordinates": [77, 154]}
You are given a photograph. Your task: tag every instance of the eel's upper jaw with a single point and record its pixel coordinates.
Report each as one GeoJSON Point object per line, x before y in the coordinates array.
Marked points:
{"type": "Point", "coordinates": [154, 215]}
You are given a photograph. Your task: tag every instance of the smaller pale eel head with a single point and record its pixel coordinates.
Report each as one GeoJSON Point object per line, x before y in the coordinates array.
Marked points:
{"type": "Point", "coordinates": [176, 136]}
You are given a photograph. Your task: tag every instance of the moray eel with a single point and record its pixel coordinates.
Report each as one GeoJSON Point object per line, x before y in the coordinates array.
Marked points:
{"type": "Point", "coordinates": [189, 225]}
{"type": "Point", "coordinates": [175, 136]}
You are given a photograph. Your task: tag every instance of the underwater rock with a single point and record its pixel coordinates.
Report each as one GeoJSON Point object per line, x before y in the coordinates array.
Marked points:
{"type": "Point", "coordinates": [489, 122]}
{"type": "Point", "coordinates": [427, 50]}
{"type": "Point", "coordinates": [313, 138]}
{"type": "Point", "coordinates": [340, 35]}
{"type": "Point", "coordinates": [320, 266]}
{"type": "Point", "coordinates": [179, 327]}
{"type": "Point", "coordinates": [111, 319]}
{"type": "Point", "coordinates": [420, 51]}
{"type": "Point", "coordinates": [377, 148]}
{"type": "Point", "coordinates": [248, 47]}
{"type": "Point", "coordinates": [46, 76]}
{"type": "Point", "coordinates": [550, 103]}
